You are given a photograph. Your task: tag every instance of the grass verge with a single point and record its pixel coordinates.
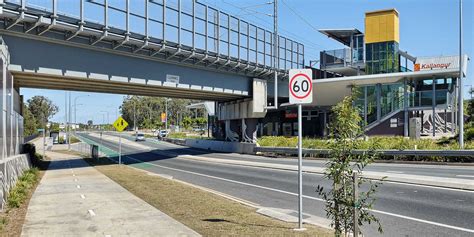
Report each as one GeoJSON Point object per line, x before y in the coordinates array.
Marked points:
{"type": "Point", "coordinates": [11, 220]}
{"type": "Point", "coordinates": [204, 212]}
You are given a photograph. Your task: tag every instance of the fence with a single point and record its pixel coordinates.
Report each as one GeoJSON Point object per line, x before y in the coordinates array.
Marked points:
{"type": "Point", "coordinates": [86, 149]}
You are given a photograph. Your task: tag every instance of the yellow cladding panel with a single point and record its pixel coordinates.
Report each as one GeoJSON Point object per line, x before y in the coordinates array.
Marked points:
{"type": "Point", "coordinates": [382, 26]}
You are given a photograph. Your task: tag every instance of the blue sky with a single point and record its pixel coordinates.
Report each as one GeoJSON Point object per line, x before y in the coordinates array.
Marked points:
{"type": "Point", "coordinates": [427, 28]}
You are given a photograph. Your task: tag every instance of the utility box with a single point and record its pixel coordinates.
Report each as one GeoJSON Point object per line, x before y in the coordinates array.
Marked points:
{"type": "Point", "coordinates": [95, 151]}
{"type": "Point", "coordinates": [415, 128]}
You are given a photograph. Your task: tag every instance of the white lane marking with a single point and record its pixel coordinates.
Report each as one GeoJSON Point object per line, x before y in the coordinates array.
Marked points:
{"type": "Point", "coordinates": [309, 197]}
{"type": "Point", "coordinates": [396, 172]}
{"type": "Point", "coordinates": [78, 186]}
{"type": "Point", "coordinates": [465, 176]}
{"type": "Point", "coordinates": [91, 212]}
{"type": "Point", "coordinates": [432, 187]}
{"type": "Point", "coordinates": [425, 221]}
{"type": "Point", "coordinates": [83, 196]}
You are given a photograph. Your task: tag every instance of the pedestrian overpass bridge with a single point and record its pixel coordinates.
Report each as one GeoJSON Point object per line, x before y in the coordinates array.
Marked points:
{"type": "Point", "coordinates": [169, 48]}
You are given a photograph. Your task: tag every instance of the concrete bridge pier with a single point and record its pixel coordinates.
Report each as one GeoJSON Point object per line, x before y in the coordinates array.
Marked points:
{"type": "Point", "coordinates": [240, 117]}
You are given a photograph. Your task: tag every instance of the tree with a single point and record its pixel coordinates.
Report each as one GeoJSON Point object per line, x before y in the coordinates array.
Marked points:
{"type": "Point", "coordinates": [187, 122]}
{"type": "Point", "coordinates": [200, 121]}
{"type": "Point", "coordinates": [340, 200]}
{"type": "Point", "coordinates": [42, 109]}
{"type": "Point", "coordinates": [30, 123]}
{"type": "Point", "coordinates": [54, 127]}
{"type": "Point", "coordinates": [147, 110]}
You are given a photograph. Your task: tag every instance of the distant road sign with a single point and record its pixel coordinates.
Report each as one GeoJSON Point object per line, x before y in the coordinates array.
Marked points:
{"type": "Point", "coordinates": [163, 117]}
{"type": "Point", "coordinates": [301, 86]}
{"type": "Point", "coordinates": [120, 124]}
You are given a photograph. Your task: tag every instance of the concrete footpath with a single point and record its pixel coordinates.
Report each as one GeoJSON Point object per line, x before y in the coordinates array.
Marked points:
{"type": "Point", "coordinates": [74, 199]}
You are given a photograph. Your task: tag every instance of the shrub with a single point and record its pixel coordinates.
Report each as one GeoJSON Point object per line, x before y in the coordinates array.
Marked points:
{"type": "Point", "coordinates": [469, 134]}
{"type": "Point", "coordinates": [18, 194]}
{"type": "Point", "coordinates": [177, 135]}
{"type": "Point", "coordinates": [29, 149]}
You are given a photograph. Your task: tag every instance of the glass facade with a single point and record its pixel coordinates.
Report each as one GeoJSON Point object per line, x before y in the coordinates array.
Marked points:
{"type": "Point", "coordinates": [391, 98]}
{"type": "Point", "coordinates": [382, 58]}
{"type": "Point", "coordinates": [358, 48]}
{"type": "Point", "coordinates": [377, 101]}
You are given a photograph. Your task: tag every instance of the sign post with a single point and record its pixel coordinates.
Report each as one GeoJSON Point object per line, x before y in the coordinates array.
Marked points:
{"type": "Point", "coordinates": [301, 92]}
{"type": "Point", "coordinates": [120, 124]}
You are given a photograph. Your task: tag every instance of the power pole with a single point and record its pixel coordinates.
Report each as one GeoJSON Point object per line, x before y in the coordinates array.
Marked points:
{"type": "Point", "coordinates": [460, 98]}
{"type": "Point", "coordinates": [276, 54]}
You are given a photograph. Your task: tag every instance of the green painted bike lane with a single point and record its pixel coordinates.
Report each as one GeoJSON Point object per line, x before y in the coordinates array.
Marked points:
{"type": "Point", "coordinates": [113, 155]}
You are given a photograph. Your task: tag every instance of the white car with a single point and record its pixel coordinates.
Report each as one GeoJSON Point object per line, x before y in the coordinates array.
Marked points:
{"type": "Point", "coordinates": [163, 133]}
{"type": "Point", "coordinates": [140, 137]}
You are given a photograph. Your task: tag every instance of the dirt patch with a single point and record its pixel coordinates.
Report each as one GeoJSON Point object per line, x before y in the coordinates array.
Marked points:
{"type": "Point", "coordinates": [204, 212]}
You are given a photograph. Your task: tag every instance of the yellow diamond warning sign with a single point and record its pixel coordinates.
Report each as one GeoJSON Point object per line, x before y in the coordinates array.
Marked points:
{"type": "Point", "coordinates": [120, 124]}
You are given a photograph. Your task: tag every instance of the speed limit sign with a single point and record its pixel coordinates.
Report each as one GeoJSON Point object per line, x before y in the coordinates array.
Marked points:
{"type": "Point", "coordinates": [301, 86]}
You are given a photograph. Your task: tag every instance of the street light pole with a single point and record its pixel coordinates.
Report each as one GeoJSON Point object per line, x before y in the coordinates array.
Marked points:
{"type": "Point", "coordinates": [106, 112]}
{"type": "Point", "coordinates": [69, 123]}
{"type": "Point", "coordinates": [75, 110]}
{"type": "Point", "coordinates": [65, 116]}
{"type": "Point", "coordinates": [166, 114]}
{"type": "Point", "coordinates": [75, 115]}
{"type": "Point", "coordinates": [134, 115]}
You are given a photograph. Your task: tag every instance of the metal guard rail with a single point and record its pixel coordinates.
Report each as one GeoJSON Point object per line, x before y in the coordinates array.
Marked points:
{"type": "Point", "coordinates": [421, 153]}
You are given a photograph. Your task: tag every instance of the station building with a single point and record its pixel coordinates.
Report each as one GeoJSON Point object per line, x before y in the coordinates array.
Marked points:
{"type": "Point", "coordinates": [392, 86]}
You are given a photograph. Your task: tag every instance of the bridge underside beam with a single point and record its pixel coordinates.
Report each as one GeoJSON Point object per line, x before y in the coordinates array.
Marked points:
{"type": "Point", "coordinates": [36, 80]}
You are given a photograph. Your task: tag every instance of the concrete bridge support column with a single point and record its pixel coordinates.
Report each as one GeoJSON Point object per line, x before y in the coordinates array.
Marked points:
{"type": "Point", "coordinates": [249, 130]}
{"type": "Point", "coordinates": [241, 117]}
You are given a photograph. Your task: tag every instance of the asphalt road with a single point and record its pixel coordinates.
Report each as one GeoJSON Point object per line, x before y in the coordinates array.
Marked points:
{"type": "Point", "coordinates": [404, 210]}
{"type": "Point", "coordinates": [447, 171]}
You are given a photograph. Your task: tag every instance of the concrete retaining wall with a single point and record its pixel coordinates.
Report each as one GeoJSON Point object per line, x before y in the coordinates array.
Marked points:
{"type": "Point", "coordinates": [10, 169]}
{"type": "Point", "coordinates": [221, 146]}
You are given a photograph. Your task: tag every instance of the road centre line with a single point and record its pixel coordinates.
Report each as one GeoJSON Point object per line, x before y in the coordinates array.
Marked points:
{"type": "Point", "coordinates": [309, 197]}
